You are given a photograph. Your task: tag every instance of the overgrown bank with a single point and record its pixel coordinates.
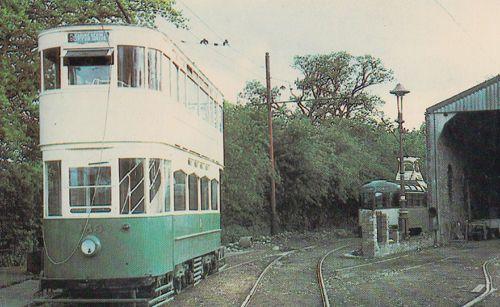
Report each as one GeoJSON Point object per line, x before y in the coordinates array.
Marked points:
{"type": "Point", "coordinates": [319, 169]}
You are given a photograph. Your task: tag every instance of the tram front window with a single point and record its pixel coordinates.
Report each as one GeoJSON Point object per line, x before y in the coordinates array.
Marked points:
{"type": "Point", "coordinates": [51, 69]}
{"type": "Point", "coordinates": [89, 66]}
{"type": "Point", "coordinates": [131, 67]}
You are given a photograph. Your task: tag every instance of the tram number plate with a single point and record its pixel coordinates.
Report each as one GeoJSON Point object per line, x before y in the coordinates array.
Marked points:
{"type": "Point", "coordinates": [90, 229]}
{"type": "Point", "coordinates": [88, 37]}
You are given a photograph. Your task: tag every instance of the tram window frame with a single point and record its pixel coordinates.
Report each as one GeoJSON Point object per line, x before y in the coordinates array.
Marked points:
{"type": "Point", "coordinates": [221, 119]}
{"type": "Point", "coordinates": [94, 182]}
{"type": "Point", "coordinates": [51, 68]}
{"type": "Point", "coordinates": [179, 190]}
{"type": "Point", "coordinates": [166, 74]}
{"type": "Point", "coordinates": [167, 172]}
{"type": "Point", "coordinates": [97, 58]}
{"type": "Point", "coordinates": [155, 183]}
{"type": "Point", "coordinates": [175, 86]}
{"type": "Point", "coordinates": [154, 57]}
{"type": "Point", "coordinates": [182, 87]}
{"type": "Point", "coordinates": [204, 193]}
{"type": "Point", "coordinates": [136, 176]}
{"type": "Point", "coordinates": [134, 73]}
{"type": "Point", "coordinates": [192, 97]}
{"type": "Point", "coordinates": [214, 194]}
{"type": "Point", "coordinates": [204, 105]}
{"type": "Point", "coordinates": [53, 188]}
{"type": "Point", "coordinates": [193, 187]}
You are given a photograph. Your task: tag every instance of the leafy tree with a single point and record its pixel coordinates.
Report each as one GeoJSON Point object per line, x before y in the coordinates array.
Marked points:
{"type": "Point", "coordinates": [20, 167]}
{"type": "Point", "coordinates": [334, 85]}
{"type": "Point", "coordinates": [245, 176]}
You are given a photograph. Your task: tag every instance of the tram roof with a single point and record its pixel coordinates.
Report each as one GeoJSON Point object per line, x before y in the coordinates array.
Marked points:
{"type": "Point", "coordinates": [380, 186]}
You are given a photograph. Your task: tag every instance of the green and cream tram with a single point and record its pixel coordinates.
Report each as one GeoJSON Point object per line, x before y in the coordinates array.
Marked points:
{"type": "Point", "coordinates": [131, 133]}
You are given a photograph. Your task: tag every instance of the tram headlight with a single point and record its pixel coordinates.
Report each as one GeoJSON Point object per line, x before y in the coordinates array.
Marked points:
{"type": "Point", "coordinates": [90, 246]}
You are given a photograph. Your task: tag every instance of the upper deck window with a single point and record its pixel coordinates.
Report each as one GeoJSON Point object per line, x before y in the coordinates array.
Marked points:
{"type": "Point", "coordinates": [131, 67]}
{"type": "Point", "coordinates": [51, 68]}
{"type": "Point", "coordinates": [88, 66]}
{"type": "Point", "coordinates": [154, 69]}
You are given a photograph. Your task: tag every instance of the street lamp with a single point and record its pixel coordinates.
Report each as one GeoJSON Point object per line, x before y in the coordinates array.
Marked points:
{"type": "Point", "coordinates": [400, 91]}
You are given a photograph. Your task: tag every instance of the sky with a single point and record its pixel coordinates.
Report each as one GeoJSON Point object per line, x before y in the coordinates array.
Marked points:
{"type": "Point", "coordinates": [436, 48]}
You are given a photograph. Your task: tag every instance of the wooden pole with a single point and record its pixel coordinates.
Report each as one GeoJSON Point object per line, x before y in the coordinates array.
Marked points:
{"type": "Point", "coordinates": [274, 219]}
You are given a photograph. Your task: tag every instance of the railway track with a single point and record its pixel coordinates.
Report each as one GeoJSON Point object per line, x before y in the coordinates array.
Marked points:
{"type": "Point", "coordinates": [320, 280]}
{"type": "Point", "coordinates": [489, 289]}
{"type": "Point", "coordinates": [319, 276]}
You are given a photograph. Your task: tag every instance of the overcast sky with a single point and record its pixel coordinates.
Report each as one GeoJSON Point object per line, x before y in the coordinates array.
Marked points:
{"type": "Point", "coordinates": [435, 48]}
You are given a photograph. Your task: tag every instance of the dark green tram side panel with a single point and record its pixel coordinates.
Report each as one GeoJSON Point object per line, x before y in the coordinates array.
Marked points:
{"type": "Point", "coordinates": [195, 235]}
{"type": "Point", "coordinates": [150, 247]}
{"type": "Point", "coordinates": [145, 249]}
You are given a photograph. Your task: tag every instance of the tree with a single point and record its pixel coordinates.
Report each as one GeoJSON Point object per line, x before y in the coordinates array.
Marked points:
{"type": "Point", "coordinates": [334, 85]}
{"type": "Point", "coordinates": [20, 165]}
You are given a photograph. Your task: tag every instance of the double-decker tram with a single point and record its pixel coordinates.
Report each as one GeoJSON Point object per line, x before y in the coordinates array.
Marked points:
{"type": "Point", "coordinates": [131, 133]}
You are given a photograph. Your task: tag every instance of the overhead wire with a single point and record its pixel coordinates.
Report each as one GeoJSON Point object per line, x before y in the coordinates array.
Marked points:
{"type": "Point", "coordinates": [462, 28]}
{"type": "Point", "coordinates": [250, 60]}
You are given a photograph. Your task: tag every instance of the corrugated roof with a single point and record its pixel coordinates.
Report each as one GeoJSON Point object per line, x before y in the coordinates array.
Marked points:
{"type": "Point", "coordinates": [482, 97]}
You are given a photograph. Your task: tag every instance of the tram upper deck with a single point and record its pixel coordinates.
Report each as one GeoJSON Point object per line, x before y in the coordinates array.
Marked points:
{"type": "Point", "coordinates": [122, 84]}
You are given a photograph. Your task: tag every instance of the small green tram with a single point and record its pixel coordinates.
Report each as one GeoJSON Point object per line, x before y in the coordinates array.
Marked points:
{"type": "Point", "coordinates": [132, 139]}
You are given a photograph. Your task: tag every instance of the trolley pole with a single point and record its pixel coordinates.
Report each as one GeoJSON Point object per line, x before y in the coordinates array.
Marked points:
{"type": "Point", "coordinates": [274, 219]}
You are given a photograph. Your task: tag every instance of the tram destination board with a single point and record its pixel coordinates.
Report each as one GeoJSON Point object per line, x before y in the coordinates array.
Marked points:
{"type": "Point", "coordinates": [88, 37]}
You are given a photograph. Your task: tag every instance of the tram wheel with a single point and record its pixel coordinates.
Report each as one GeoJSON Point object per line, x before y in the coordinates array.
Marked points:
{"type": "Point", "coordinates": [178, 285]}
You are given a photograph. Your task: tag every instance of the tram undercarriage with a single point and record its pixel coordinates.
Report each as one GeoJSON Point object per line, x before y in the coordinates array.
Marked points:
{"type": "Point", "coordinates": [146, 291]}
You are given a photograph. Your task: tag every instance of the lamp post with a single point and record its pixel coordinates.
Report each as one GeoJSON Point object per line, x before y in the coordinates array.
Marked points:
{"type": "Point", "coordinates": [400, 91]}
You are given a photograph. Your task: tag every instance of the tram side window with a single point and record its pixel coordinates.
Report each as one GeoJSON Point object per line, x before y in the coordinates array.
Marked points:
{"type": "Point", "coordinates": [204, 182]}
{"type": "Point", "coordinates": [90, 187]}
{"type": "Point", "coordinates": [166, 174]}
{"type": "Point", "coordinates": [131, 185]}
{"type": "Point", "coordinates": [51, 68]}
{"type": "Point", "coordinates": [131, 68]}
{"type": "Point", "coordinates": [214, 193]}
{"type": "Point", "coordinates": [193, 192]}
{"type": "Point", "coordinates": [175, 83]}
{"type": "Point", "coordinates": [89, 67]}
{"type": "Point", "coordinates": [167, 75]}
{"type": "Point", "coordinates": [204, 105]}
{"type": "Point", "coordinates": [221, 119]}
{"type": "Point", "coordinates": [155, 184]}
{"type": "Point", "coordinates": [182, 87]}
{"type": "Point", "coordinates": [192, 95]}
{"type": "Point", "coordinates": [154, 69]}
{"type": "Point", "coordinates": [179, 191]}
{"type": "Point", "coordinates": [53, 187]}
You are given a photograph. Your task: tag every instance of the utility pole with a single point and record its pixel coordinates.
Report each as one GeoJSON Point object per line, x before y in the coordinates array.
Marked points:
{"type": "Point", "coordinates": [274, 218]}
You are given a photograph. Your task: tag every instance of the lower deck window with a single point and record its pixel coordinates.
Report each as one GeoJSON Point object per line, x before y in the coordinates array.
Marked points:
{"type": "Point", "coordinates": [193, 192]}
{"type": "Point", "coordinates": [179, 191]}
{"type": "Point", "coordinates": [204, 193]}
{"type": "Point", "coordinates": [131, 186]}
{"type": "Point", "coordinates": [53, 187]}
{"type": "Point", "coordinates": [214, 194]}
{"type": "Point", "coordinates": [90, 187]}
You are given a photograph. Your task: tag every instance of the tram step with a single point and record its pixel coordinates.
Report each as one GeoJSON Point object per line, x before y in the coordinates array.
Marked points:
{"type": "Point", "coordinates": [161, 299]}
{"type": "Point", "coordinates": [165, 286]}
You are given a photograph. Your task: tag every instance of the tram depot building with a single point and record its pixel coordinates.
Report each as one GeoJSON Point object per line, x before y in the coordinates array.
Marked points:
{"type": "Point", "coordinates": [463, 149]}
